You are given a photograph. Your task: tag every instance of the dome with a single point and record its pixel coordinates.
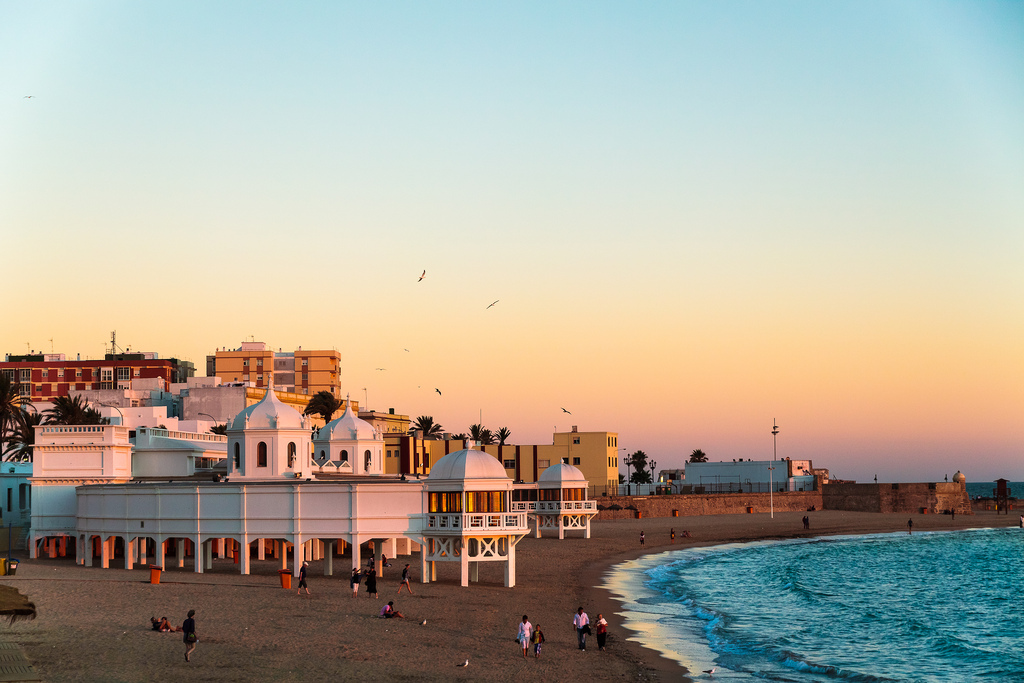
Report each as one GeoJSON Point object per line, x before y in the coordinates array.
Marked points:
{"type": "Point", "coordinates": [467, 464]}
{"type": "Point", "coordinates": [348, 427]}
{"type": "Point", "coordinates": [561, 474]}
{"type": "Point", "coordinates": [959, 477]}
{"type": "Point", "coordinates": [269, 413]}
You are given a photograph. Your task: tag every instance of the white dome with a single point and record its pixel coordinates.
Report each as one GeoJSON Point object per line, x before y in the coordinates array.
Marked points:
{"type": "Point", "coordinates": [959, 477]}
{"type": "Point", "coordinates": [562, 474]}
{"type": "Point", "coordinates": [348, 427]}
{"type": "Point", "coordinates": [467, 464]}
{"type": "Point", "coordinates": [269, 413]}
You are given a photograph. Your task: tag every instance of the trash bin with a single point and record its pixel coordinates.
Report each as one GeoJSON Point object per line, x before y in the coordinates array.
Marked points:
{"type": "Point", "coordinates": [286, 578]}
{"type": "Point", "coordinates": [675, 513]}
{"type": "Point", "coordinates": [750, 510]}
{"type": "Point", "coordinates": [3, 567]}
{"type": "Point", "coordinates": [639, 515]}
{"type": "Point", "coordinates": [154, 574]}
{"type": "Point", "coordinates": [12, 567]}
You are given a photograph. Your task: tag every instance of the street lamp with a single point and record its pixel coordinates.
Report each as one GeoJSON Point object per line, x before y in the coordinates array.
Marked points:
{"type": "Point", "coordinates": [215, 421]}
{"type": "Point", "coordinates": [654, 467]}
{"type": "Point", "coordinates": [775, 433]}
{"type": "Point", "coordinates": [771, 468]}
{"type": "Point", "coordinates": [111, 405]}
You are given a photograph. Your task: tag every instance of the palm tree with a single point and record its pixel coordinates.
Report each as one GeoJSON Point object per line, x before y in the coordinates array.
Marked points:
{"type": "Point", "coordinates": [11, 402]}
{"type": "Point", "coordinates": [219, 429]}
{"type": "Point", "coordinates": [503, 435]}
{"type": "Point", "coordinates": [324, 404]}
{"type": "Point", "coordinates": [460, 437]}
{"type": "Point", "coordinates": [23, 437]}
{"type": "Point", "coordinates": [73, 410]}
{"type": "Point", "coordinates": [638, 461]}
{"type": "Point", "coordinates": [698, 456]}
{"type": "Point", "coordinates": [427, 428]}
{"type": "Point", "coordinates": [480, 433]}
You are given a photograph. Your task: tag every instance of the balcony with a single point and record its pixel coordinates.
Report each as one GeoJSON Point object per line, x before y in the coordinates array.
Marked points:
{"type": "Point", "coordinates": [554, 506]}
{"type": "Point", "coordinates": [487, 522]}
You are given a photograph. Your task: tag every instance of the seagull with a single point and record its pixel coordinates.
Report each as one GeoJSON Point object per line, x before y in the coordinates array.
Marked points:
{"type": "Point", "coordinates": [380, 368]}
{"type": "Point", "coordinates": [423, 623]}
{"type": "Point", "coordinates": [465, 663]}
{"type": "Point", "coordinates": [495, 301]}
{"type": "Point", "coordinates": [438, 391]}
{"type": "Point", "coordinates": [711, 671]}
{"type": "Point", "coordinates": [422, 276]}
{"type": "Point", "coordinates": [29, 97]}
{"type": "Point", "coordinates": [406, 350]}
{"type": "Point", "coordinates": [566, 411]}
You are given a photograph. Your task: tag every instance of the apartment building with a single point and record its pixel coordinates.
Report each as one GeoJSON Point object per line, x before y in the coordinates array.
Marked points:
{"type": "Point", "coordinates": [303, 372]}
{"type": "Point", "coordinates": [45, 376]}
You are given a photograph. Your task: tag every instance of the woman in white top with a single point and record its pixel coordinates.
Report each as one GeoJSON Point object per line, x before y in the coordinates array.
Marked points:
{"type": "Point", "coordinates": [525, 631]}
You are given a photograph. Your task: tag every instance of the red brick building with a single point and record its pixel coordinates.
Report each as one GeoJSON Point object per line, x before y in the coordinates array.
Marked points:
{"type": "Point", "coordinates": [42, 377]}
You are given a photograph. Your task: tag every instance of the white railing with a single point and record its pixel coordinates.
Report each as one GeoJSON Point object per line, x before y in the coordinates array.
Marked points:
{"type": "Point", "coordinates": [524, 505]}
{"type": "Point", "coordinates": [567, 506]}
{"type": "Point", "coordinates": [477, 521]}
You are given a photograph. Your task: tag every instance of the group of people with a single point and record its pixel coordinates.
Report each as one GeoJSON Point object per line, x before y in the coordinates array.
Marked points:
{"type": "Point", "coordinates": [188, 631]}
{"type": "Point", "coordinates": [532, 635]}
{"type": "Point", "coordinates": [807, 522]}
{"type": "Point", "coordinates": [371, 581]}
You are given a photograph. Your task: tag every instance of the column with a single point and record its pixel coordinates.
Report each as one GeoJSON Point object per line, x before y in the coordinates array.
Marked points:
{"type": "Point", "coordinates": [105, 554]}
{"type": "Point", "coordinates": [357, 559]}
{"type": "Point", "coordinates": [510, 564]}
{"type": "Point", "coordinates": [474, 572]}
{"type": "Point", "coordinates": [221, 549]}
{"type": "Point", "coordinates": [281, 551]}
{"type": "Point", "coordinates": [329, 559]}
{"type": "Point", "coordinates": [260, 551]}
{"type": "Point", "coordinates": [87, 551]}
{"type": "Point", "coordinates": [208, 552]}
{"type": "Point", "coordinates": [464, 566]}
{"type": "Point", "coordinates": [142, 551]}
{"type": "Point", "coordinates": [244, 552]}
{"type": "Point", "coordinates": [298, 554]}
{"type": "Point", "coordinates": [426, 567]}
{"type": "Point", "coordinates": [586, 531]}
{"type": "Point", "coordinates": [181, 553]}
{"type": "Point", "coordinates": [561, 527]}
{"type": "Point", "coordinates": [198, 556]}
{"type": "Point", "coordinates": [159, 556]}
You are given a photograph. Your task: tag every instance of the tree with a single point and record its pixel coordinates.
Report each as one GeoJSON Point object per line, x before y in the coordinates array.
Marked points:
{"type": "Point", "coordinates": [73, 410]}
{"type": "Point", "coordinates": [480, 433]}
{"type": "Point", "coordinates": [460, 437]}
{"type": "Point", "coordinates": [325, 404]}
{"type": "Point", "coordinates": [640, 474]}
{"type": "Point", "coordinates": [22, 437]}
{"type": "Point", "coordinates": [219, 429]}
{"type": "Point", "coordinates": [698, 456]}
{"type": "Point", "coordinates": [11, 402]}
{"type": "Point", "coordinates": [427, 428]}
{"type": "Point", "coordinates": [503, 435]}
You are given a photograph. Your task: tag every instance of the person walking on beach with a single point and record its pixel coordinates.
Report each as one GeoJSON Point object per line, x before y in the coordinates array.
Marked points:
{"type": "Point", "coordinates": [302, 579]}
{"type": "Point", "coordinates": [525, 634]}
{"type": "Point", "coordinates": [602, 631]}
{"type": "Point", "coordinates": [371, 583]}
{"type": "Point", "coordinates": [190, 637]}
{"type": "Point", "coordinates": [641, 539]}
{"type": "Point", "coordinates": [354, 582]}
{"type": "Point", "coordinates": [910, 526]}
{"type": "Point", "coordinates": [672, 535]}
{"type": "Point", "coordinates": [582, 623]}
{"type": "Point", "coordinates": [405, 581]}
{"type": "Point", "coordinates": [537, 640]}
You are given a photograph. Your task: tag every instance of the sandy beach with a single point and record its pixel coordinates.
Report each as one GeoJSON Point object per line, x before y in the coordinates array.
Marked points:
{"type": "Point", "coordinates": [93, 624]}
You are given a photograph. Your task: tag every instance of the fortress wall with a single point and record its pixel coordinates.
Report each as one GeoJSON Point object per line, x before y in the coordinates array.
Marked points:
{"type": "Point", "coordinates": [908, 498]}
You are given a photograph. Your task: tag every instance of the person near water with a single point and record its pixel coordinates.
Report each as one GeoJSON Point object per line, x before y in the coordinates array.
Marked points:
{"type": "Point", "coordinates": [910, 526]}
{"type": "Point", "coordinates": [672, 535]}
{"type": "Point", "coordinates": [582, 624]}
{"type": "Point", "coordinates": [302, 579]}
{"type": "Point", "coordinates": [525, 634]}
{"type": "Point", "coordinates": [641, 538]}
{"type": "Point", "coordinates": [190, 637]}
{"type": "Point", "coordinates": [371, 583]}
{"type": "Point", "coordinates": [602, 631]}
{"type": "Point", "coordinates": [405, 581]}
{"type": "Point", "coordinates": [537, 639]}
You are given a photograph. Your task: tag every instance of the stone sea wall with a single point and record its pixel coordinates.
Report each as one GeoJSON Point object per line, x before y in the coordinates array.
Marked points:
{"type": "Point", "coordinates": [920, 498]}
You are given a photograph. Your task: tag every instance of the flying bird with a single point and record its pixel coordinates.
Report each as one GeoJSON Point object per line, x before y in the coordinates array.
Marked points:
{"type": "Point", "coordinates": [495, 301]}
{"type": "Point", "coordinates": [29, 97]}
{"type": "Point", "coordinates": [380, 368]}
{"type": "Point", "coordinates": [438, 391]}
{"type": "Point", "coordinates": [465, 663]}
{"type": "Point", "coordinates": [423, 275]}
{"type": "Point", "coordinates": [406, 350]}
{"type": "Point", "coordinates": [566, 411]}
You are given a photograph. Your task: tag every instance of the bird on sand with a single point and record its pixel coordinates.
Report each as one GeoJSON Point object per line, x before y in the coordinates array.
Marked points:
{"type": "Point", "coordinates": [495, 301]}
{"type": "Point", "coordinates": [465, 663]}
{"type": "Point", "coordinates": [711, 671]}
{"type": "Point", "coordinates": [566, 411]}
{"type": "Point", "coordinates": [438, 391]}
{"type": "Point", "coordinates": [423, 623]}
{"type": "Point", "coordinates": [423, 275]}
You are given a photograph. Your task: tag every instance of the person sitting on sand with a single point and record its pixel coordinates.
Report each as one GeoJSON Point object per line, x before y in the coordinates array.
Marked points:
{"type": "Point", "coordinates": [155, 623]}
{"type": "Point", "coordinates": [388, 611]}
{"type": "Point", "coordinates": [165, 626]}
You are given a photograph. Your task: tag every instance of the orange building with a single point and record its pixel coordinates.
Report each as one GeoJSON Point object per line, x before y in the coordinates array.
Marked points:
{"type": "Point", "coordinates": [301, 371]}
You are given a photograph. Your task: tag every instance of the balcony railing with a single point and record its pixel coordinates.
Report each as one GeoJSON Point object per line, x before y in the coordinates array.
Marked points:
{"type": "Point", "coordinates": [478, 521]}
{"type": "Point", "coordinates": [567, 506]}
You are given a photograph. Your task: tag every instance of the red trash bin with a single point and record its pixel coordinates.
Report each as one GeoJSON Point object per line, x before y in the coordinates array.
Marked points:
{"type": "Point", "coordinates": [154, 574]}
{"type": "Point", "coordinates": [286, 578]}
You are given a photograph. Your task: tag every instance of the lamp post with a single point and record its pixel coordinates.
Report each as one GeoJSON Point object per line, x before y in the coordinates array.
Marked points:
{"type": "Point", "coordinates": [771, 469]}
{"type": "Point", "coordinates": [209, 416]}
{"type": "Point", "coordinates": [654, 481]}
{"type": "Point", "coordinates": [111, 405]}
{"type": "Point", "coordinates": [775, 433]}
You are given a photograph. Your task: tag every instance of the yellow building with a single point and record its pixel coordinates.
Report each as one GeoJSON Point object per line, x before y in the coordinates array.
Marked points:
{"type": "Point", "coordinates": [594, 453]}
{"type": "Point", "coordinates": [301, 371]}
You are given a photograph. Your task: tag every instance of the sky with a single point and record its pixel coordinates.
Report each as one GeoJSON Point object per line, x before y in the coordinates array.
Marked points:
{"type": "Point", "coordinates": [696, 218]}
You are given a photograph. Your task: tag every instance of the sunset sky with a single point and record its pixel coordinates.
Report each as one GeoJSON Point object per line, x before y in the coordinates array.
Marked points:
{"type": "Point", "coordinates": [696, 217]}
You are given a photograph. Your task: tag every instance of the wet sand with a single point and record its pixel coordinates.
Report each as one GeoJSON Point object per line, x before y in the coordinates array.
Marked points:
{"type": "Point", "coordinates": [93, 624]}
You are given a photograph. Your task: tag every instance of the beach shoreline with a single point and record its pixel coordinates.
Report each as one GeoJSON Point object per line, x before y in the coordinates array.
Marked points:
{"type": "Point", "coordinates": [93, 623]}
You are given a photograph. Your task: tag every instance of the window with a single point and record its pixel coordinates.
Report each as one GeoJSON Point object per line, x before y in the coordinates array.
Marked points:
{"type": "Point", "coordinates": [305, 362]}
{"type": "Point", "coordinates": [261, 455]}
{"type": "Point", "coordinates": [46, 373]}
{"type": "Point", "coordinates": [543, 464]}
{"type": "Point", "coordinates": [367, 459]}
{"type": "Point", "coordinates": [485, 501]}
{"type": "Point", "coordinates": [344, 456]}
{"type": "Point", "coordinates": [245, 362]}
{"type": "Point", "coordinates": [259, 362]}
{"type": "Point", "coordinates": [510, 464]}
{"type": "Point", "coordinates": [23, 496]}
{"type": "Point", "coordinates": [576, 440]}
{"type": "Point", "coordinates": [446, 502]}
{"type": "Point", "coordinates": [245, 378]}
{"type": "Point", "coordinates": [565, 461]}
{"type": "Point", "coordinates": [26, 374]}
{"type": "Point", "coordinates": [259, 379]}
{"type": "Point", "coordinates": [138, 372]}
{"type": "Point", "coordinates": [305, 377]}
{"type": "Point", "coordinates": [291, 454]}
{"type": "Point", "coordinates": [575, 461]}
{"type": "Point", "coordinates": [78, 373]}
{"type": "Point", "coordinates": [238, 456]}
{"type": "Point", "coordinates": [124, 373]}
{"type": "Point", "coordinates": [60, 373]}
{"type": "Point", "coordinates": [107, 375]}
{"type": "Point", "coordinates": [323, 457]}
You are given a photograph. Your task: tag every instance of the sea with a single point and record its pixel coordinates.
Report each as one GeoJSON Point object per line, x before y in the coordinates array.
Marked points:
{"type": "Point", "coordinates": [985, 489]}
{"type": "Point", "coordinates": [932, 606]}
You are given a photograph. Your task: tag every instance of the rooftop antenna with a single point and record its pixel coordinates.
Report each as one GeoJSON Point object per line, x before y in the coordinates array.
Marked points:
{"type": "Point", "coordinates": [367, 397]}
{"type": "Point", "coordinates": [51, 344]}
{"type": "Point", "coordinates": [113, 343]}
{"type": "Point", "coordinates": [28, 347]}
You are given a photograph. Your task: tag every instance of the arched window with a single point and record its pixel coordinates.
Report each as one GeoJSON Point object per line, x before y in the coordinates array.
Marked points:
{"type": "Point", "coordinates": [367, 460]}
{"type": "Point", "coordinates": [344, 456]}
{"type": "Point", "coordinates": [238, 456]}
{"type": "Point", "coordinates": [291, 454]}
{"type": "Point", "coordinates": [323, 457]}
{"type": "Point", "coordinates": [261, 455]}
